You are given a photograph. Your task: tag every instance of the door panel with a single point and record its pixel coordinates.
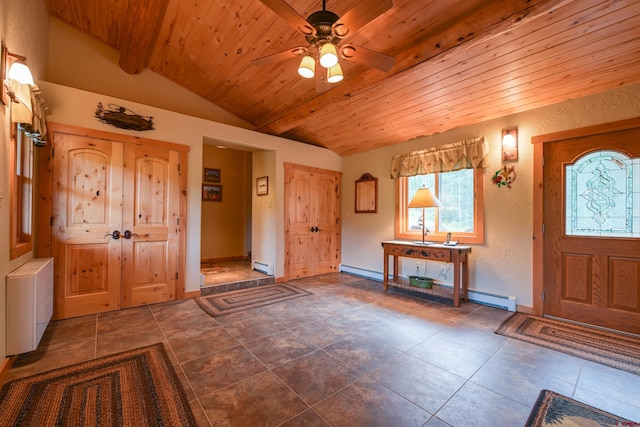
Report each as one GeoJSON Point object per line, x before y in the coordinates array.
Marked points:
{"type": "Point", "coordinates": [312, 204]}
{"type": "Point", "coordinates": [592, 276]}
{"type": "Point", "coordinates": [300, 259]}
{"type": "Point", "coordinates": [327, 192]}
{"type": "Point", "coordinates": [150, 213]}
{"type": "Point", "coordinates": [86, 208]}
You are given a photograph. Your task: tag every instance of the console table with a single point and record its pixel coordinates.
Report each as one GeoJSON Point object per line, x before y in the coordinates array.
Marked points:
{"type": "Point", "coordinates": [458, 255]}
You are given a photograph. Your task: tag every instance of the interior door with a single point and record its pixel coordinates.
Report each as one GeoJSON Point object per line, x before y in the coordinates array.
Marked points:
{"type": "Point", "coordinates": [591, 233]}
{"type": "Point", "coordinates": [150, 225]}
{"type": "Point", "coordinates": [86, 209]}
{"type": "Point", "coordinates": [312, 207]}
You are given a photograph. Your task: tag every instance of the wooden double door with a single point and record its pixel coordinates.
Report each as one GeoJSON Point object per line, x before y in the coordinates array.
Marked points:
{"type": "Point", "coordinates": [116, 232]}
{"type": "Point", "coordinates": [312, 221]}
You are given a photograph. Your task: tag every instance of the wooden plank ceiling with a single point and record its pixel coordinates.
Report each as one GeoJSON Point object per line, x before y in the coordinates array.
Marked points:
{"type": "Point", "coordinates": [457, 62]}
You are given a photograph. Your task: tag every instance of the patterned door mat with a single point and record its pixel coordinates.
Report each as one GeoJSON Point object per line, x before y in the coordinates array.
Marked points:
{"type": "Point", "coordinates": [554, 409]}
{"type": "Point", "coordinates": [136, 387]}
{"type": "Point", "coordinates": [234, 301]}
{"type": "Point", "coordinates": [608, 348]}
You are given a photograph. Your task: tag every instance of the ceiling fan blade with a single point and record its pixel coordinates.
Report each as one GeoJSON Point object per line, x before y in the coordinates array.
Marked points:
{"type": "Point", "coordinates": [280, 56]}
{"type": "Point", "coordinates": [289, 14]}
{"type": "Point", "coordinates": [359, 16]}
{"type": "Point", "coordinates": [367, 57]}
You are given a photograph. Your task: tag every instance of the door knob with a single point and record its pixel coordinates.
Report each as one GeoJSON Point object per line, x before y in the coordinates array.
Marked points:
{"type": "Point", "coordinates": [115, 235]}
{"type": "Point", "coordinates": [128, 234]}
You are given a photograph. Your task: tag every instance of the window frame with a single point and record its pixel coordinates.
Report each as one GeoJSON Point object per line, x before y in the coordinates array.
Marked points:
{"type": "Point", "coordinates": [21, 206]}
{"type": "Point", "coordinates": [404, 233]}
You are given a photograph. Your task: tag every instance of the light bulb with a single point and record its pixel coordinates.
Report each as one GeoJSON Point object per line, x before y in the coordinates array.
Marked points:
{"type": "Point", "coordinates": [334, 74]}
{"type": "Point", "coordinates": [328, 55]}
{"type": "Point", "coordinates": [307, 67]}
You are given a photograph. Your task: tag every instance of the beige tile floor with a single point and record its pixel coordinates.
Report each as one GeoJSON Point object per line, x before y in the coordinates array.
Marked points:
{"type": "Point", "coordinates": [348, 355]}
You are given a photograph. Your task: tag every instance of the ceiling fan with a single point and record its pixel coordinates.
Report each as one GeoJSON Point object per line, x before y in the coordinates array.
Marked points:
{"type": "Point", "coordinates": [324, 32]}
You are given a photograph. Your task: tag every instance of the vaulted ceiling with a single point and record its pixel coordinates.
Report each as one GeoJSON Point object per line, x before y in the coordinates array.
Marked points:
{"type": "Point", "coordinates": [456, 62]}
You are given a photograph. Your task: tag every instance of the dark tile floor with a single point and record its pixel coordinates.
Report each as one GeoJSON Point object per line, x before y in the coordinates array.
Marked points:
{"type": "Point", "coordinates": [348, 355]}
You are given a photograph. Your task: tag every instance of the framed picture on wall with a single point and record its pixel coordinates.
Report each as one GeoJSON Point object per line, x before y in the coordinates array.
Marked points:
{"type": "Point", "coordinates": [212, 193]}
{"type": "Point", "coordinates": [211, 175]}
{"type": "Point", "coordinates": [262, 186]}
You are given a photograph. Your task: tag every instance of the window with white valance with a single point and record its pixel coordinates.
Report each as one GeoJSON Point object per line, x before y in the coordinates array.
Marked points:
{"type": "Point", "coordinates": [467, 154]}
{"type": "Point", "coordinates": [454, 173]}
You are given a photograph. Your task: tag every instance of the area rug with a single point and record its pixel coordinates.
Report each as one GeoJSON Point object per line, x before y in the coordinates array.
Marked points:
{"type": "Point", "coordinates": [608, 348]}
{"type": "Point", "coordinates": [234, 301]}
{"type": "Point", "coordinates": [134, 388]}
{"type": "Point", "coordinates": [554, 409]}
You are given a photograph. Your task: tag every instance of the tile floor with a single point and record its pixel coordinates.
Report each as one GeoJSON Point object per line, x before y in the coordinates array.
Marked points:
{"type": "Point", "coordinates": [348, 355]}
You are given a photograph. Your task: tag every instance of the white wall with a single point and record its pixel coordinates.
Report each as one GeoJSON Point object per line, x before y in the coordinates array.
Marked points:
{"type": "Point", "coordinates": [24, 27]}
{"type": "Point", "coordinates": [503, 264]}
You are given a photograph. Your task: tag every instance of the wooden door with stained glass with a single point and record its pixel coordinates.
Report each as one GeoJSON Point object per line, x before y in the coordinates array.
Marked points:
{"type": "Point", "coordinates": [592, 230]}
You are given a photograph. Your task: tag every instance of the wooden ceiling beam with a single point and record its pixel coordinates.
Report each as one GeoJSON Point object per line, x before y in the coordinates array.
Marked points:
{"type": "Point", "coordinates": [495, 18]}
{"type": "Point", "coordinates": [141, 29]}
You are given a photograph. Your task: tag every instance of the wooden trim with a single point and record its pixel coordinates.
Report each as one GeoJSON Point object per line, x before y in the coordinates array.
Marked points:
{"type": "Point", "coordinates": [19, 247]}
{"type": "Point", "coordinates": [182, 237]}
{"type": "Point", "coordinates": [5, 366]}
{"type": "Point", "coordinates": [111, 136]}
{"type": "Point", "coordinates": [43, 204]}
{"type": "Point", "coordinates": [538, 193]}
{"type": "Point", "coordinates": [190, 295]}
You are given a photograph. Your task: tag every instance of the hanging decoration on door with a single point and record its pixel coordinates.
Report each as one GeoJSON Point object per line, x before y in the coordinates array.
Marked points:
{"type": "Point", "coordinates": [123, 118]}
{"type": "Point", "coordinates": [504, 177]}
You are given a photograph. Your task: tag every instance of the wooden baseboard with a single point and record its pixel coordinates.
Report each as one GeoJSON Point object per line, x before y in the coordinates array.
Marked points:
{"type": "Point", "coordinates": [5, 366]}
{"type": "Point", "coordinates": [191, 294]}
{"type": "Point", "coordinates": [524, 309]}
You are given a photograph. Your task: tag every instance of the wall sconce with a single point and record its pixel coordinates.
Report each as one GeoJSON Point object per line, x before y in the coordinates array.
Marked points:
{"type": "Point", "coordinates": [510, 144]}
{"type": "Point", "coordinates": [14, 69]}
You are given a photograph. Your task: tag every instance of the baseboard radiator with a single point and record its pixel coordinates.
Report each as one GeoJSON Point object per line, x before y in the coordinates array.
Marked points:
{"type": "Point", "coordinates": [262, 267]}
{"type": "Point", "coordinates": [480, 297]}
{"type": "Point", "coordinates": [29, 304]}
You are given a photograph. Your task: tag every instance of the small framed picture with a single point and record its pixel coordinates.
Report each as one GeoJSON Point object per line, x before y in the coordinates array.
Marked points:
{"type": "Point", "coordinates": [212, 193]}
{"type": "Point", "coordinates": [262, 186]}
{"type": "Point", "coordinates": [211, 175]}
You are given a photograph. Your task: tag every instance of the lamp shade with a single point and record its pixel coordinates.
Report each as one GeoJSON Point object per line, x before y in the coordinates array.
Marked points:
{"type": "Point", "coordinates": [334, 74]}
{"type": "Point", "coordinates": [307, 68]}
{"type": "Point", "coordinates": [328, 55]}
{"type": "Point", "coordinates": [21, 73]}
{"type": "Point", "coordinates": [424, 199]}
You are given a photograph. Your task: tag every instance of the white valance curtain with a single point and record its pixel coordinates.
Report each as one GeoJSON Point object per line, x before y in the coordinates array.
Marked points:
{"type": "Point", "coordinates": [468, 154]}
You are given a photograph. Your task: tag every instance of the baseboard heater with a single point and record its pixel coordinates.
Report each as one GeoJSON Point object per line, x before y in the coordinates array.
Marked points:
{"type": "Point", "coordinates": [480, 297]}
{"type": "Point", "coordinates": [262, 267]}
{"type": "Point", "coordinates": [29, 304]}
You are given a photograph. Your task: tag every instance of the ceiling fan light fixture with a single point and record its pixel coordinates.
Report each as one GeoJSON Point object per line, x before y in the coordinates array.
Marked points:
{"type": "Point", "coordinates": [307, 68]}
{"type": "Point", "coordinates": [328, 55]}
{"type": "Point", "coordinates": [334, 74]}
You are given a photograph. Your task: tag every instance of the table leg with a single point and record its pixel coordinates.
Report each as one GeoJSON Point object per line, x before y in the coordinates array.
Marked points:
{"type": "Point", "coordinates": [456, 279]}
{"type": "Point", "coordinates": [386, 273]}
{"type": "Point", "coordinates": [465, 279]}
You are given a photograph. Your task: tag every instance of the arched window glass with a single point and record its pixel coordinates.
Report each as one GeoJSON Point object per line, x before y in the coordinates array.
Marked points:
{"type": "Point", "coordinates": [603, 195]}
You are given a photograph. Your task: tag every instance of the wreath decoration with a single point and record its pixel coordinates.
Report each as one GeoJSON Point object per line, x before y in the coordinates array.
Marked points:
{"type": "Point", "coordinates": [504, 177]}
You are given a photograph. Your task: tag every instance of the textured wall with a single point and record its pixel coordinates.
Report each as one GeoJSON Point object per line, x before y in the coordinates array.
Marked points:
{"type": "Point", "coordinates": [503, 264]}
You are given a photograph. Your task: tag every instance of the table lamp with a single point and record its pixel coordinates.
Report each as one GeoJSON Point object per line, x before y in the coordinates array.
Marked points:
{"type": "Point", "coordinates": [424, 199]}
